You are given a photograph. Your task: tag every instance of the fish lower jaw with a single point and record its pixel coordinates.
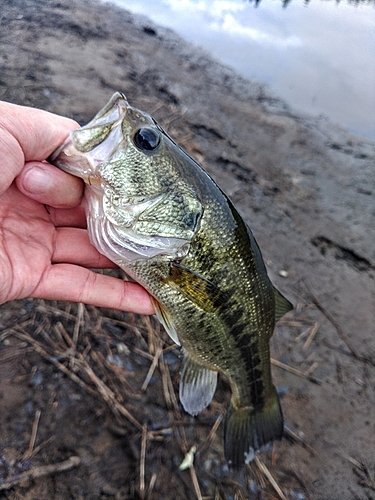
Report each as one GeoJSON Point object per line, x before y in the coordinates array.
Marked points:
{"type": "Point", "coordinates": [72, 161]}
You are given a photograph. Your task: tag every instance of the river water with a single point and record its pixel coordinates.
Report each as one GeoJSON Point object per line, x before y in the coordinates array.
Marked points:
{"type": "Point", "coordinates": [319, 57]}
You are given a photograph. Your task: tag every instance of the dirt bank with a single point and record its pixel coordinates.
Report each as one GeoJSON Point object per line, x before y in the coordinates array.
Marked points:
{"type": "Point", "coordinates": [101, 385]}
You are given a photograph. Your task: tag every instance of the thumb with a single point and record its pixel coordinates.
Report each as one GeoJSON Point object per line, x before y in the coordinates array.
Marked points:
{"type": "Point", "coordinates": [27, 134]}
{"type": "Point", "coordinates": [48, 185]}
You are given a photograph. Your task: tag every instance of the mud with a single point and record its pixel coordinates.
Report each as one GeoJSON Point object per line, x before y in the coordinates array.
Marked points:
{"type": "Point", "coordinates": [101, 385]}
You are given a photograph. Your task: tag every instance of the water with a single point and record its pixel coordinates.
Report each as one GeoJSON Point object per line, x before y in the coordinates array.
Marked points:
{"type": "Point", "coordinates": [319, 57]}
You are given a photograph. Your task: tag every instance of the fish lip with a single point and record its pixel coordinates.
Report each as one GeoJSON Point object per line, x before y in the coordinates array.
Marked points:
{"type": "Point", "coordinates": [70, 160]}
{"type": "Point", "coordinates": [82, 164]}
{"type": "Point", "coordinates": [118, 104]}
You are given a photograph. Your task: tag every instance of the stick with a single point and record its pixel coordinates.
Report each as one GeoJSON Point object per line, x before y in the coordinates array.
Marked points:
{"type": "Point", "coordinates": [109, 396]}
{"type": "Point", "coordinates": [33, 435]}
{"type": "Point", "coordinates": [212, 433]}
{"type": "Point", "coordinates": [294, 437]}
{"type": "Point", "coordinates": [290, 369]}
{"type": "Point", "coordinates": [154, 363]}
{"type": "Point", "coordinates": [77, 326]}
{"type": "Point", "coordinates": [194, 479]}
{"type": "Point", "coordinates": [311, 336]}
{"type": "Point", "coordinates": [11, 330]}
{"type": "Point", "coordinates": [309, 371]}
{"type": "Point", "coordinates": [142, 466]}
{"type": "Point", "coordinates": [54, 361]}
{"type": "Point", "coordinates": [106, 393]}
{"type": "Point", "coordinates": [271, 479]}
{"type": "Point", "coordinates": [152, 484]}
{"type": "Point", "coordinates": [44, 470]}
{"type": "Point", "coordinates": [303, 334]}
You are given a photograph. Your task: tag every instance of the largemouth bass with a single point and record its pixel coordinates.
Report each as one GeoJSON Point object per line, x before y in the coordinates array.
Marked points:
{"type": "Point", "coordinates": [159, 216]}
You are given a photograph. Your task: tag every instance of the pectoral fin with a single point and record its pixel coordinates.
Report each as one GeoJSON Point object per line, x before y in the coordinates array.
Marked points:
{"type": "Point", "coordinates": [282, 305]}
{"type": "Point", "coordinates": [205, 294]}
{"type": "Point", "coordinates": [197, 386]}
{"type": "Point", "coordinates": [165, 320]}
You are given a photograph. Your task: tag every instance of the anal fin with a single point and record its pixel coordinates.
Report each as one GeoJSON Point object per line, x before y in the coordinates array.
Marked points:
{"type": "Point", "coordinates": [197, 386]}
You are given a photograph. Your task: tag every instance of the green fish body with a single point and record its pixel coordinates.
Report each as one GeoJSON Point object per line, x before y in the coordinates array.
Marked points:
{"type": "Point", "coordinates": [156, 213]}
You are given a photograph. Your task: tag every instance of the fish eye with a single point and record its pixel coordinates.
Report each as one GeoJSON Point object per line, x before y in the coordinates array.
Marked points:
{"type": "Point", "coordinates": [146, 139]}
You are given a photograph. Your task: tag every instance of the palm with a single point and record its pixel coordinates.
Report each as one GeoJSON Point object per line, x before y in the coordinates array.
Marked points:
{"type": "Point", "coordinates": [27, 245]}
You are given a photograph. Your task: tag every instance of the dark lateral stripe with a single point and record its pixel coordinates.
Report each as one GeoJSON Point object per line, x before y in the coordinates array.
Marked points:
{"type": "Point", "coordinates": [250, 355]}
{"type": "Point", "coordinates": [239, 330]}
{"type": "Point", "coordinates": [249, 352]}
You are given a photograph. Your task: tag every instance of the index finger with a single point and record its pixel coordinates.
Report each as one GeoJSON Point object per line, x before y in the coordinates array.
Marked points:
{"type": "Point", "coordinates": [28, 134]}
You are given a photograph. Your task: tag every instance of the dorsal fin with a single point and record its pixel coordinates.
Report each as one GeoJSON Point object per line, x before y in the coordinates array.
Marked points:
{"type": "Point", "coordinates": [282, 305]}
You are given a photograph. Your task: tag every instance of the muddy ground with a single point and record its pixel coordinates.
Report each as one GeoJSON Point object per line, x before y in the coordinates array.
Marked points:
{"type": "Point", "coordinates": [101, 385]}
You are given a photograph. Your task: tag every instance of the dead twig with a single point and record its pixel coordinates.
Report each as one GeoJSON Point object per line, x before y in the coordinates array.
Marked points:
{"type": "Point", "coordinates": [303, 334]}
{"type": "Point", "coordinates": [41, 471]}
{"type": "Point", "coordinates": [104, 391]}
{"type": "Point", "coordinates": [142, 466]}
{"type": "Point", "coordinates": [77, 326]}
{"type": "Point", "coordinates": [353, 461]}
{"type": "Point", "coordinates": [54, 311]}
{"type": "Point", "coordinates": [212, 433]}
{"type": "Point", "coordinates": [311, 336]}
{"type": "Point", "coordinates": [264, 470]}
{"type": "Point", "coordinates": [33, 435]}
{"type": "Point", "coordinates": [109, 396]}
{"type": "Point", "coordinates": [152, 484]}
{"type": "Point", "coordinates": [288, 433]}
{"type": "Point", "coordinates": [366, 478]}
{"type": "Point", "coordinates": [39, 447]}
{"type": "Point", "coordinates": [290, 369]}
{"type": "Point", "coordinates": [12, 353]}
{"type": "Point", "coordinates": [10, 331]}
{"type": "Point", "coordinates": [194, 480]}
{"type": "Point", "coordinates": [38, 348]}
{"type": "Point", "coordinates": [154, 363]}
{"type": "Point", "coordinates": [311, 369]}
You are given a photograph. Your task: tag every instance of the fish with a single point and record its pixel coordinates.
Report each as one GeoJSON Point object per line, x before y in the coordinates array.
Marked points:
{"type": "Point", "coordinates": [157, 214]}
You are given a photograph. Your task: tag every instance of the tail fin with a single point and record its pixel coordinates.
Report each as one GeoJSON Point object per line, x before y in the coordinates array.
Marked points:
{"type": "Point", "coordinates": [247, 430]}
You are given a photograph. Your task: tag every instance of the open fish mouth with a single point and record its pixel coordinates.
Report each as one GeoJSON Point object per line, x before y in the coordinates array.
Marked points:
{"type": "Point", "coordinates": [89, 146]}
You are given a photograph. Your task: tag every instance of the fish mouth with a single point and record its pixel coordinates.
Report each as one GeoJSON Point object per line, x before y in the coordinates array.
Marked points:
{"type": "Point", "coordinates": [89, 146]}
{"type": "Point", "coordinates": [72, 161]}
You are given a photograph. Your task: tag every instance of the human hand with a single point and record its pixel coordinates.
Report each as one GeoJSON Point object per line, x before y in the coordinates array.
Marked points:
{"type": "Point", "coordinates": [44, 247]}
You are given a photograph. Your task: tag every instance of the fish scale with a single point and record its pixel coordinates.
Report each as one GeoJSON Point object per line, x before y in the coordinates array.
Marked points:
{"type": "Point", "coordinates": [158, 215]}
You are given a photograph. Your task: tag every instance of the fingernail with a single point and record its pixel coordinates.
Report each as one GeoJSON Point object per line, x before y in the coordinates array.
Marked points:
{"type": "Point", "coordinates": [37, 180]}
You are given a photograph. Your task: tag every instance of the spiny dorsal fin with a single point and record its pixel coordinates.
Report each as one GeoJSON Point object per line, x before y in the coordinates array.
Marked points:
{"type": "Point", "coordinates": [165, 320]}
{"type": "Point", "coordinates": [204, 293]}
{"type": "Point", "coordinates": [282, 305]}
{"type": "Point", "coordinates": [197, 386]}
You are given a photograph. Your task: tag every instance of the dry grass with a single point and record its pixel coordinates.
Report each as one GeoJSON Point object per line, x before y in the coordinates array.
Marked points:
{"type": "Point", "coordinates": [92, 348]}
